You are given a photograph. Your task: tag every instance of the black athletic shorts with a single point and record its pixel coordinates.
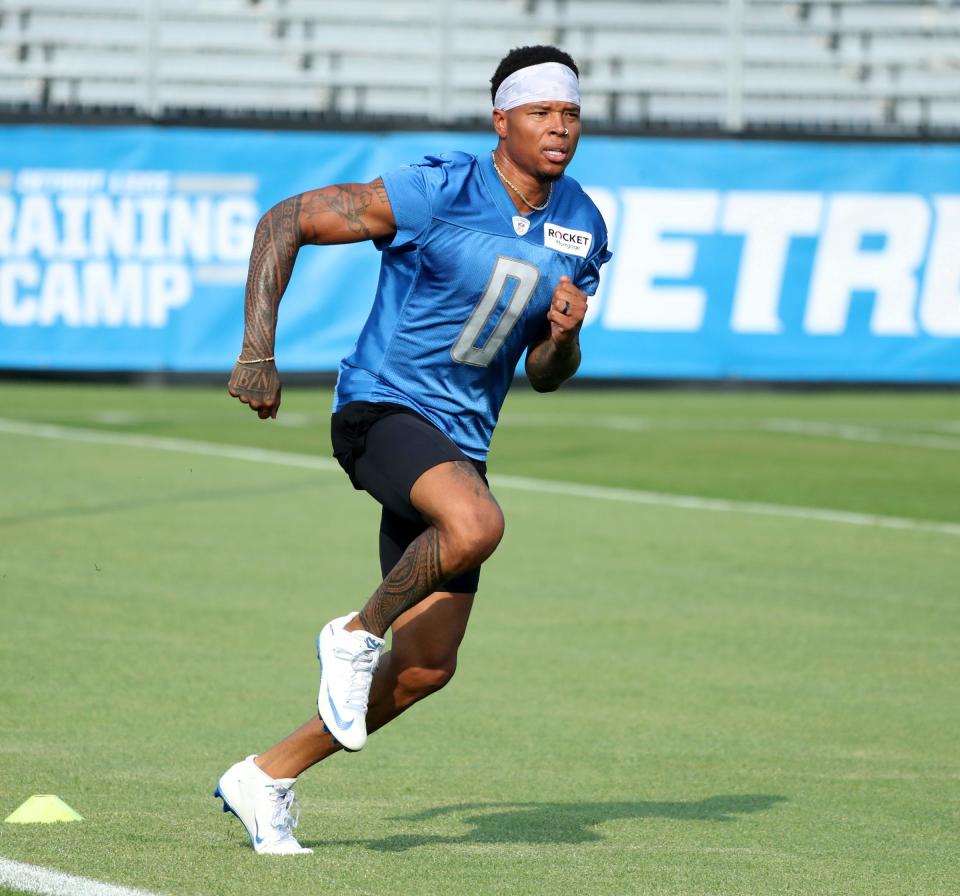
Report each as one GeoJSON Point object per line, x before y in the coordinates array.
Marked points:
{"type": "Point", "coordinates": [384, 449]}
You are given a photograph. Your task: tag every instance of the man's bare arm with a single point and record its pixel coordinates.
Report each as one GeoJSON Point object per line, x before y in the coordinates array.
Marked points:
{"type": "Point", "coordinates": [343, 213]}
{"type": "Point", "coordinates": [555, 358]}
{"type": "Point", "coordinates": [549, 365]}
{"type": "Point", "coordinates": [346, 213]}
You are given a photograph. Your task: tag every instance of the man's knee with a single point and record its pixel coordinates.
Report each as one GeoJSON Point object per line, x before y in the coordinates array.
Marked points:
{"type": "Point", "coordinates": [471, 535]}
{"type": "Point", "coordinates": [454, 498]}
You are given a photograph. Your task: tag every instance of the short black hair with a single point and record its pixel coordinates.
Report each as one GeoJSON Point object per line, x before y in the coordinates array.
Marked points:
{"type": "Point", "coordinates": [521, 57]}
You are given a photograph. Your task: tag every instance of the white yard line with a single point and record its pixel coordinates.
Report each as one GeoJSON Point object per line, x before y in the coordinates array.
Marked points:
{"type": "Point", "coordinates": [721, 505]}
{"type": "Point", "coordinates": [34, 879]}
{"type": "Point", "coordinates": [519, 483]}
{"type": "Point", "coordinates": [163, 443]}
{"type": "Point", "coordinates": [851, 433]}
{"type": "Point", "coordinates": [547, 421]}
{"type": "Point", "coordinates": [845, 431]}
{"type": "Point", "coordinates": [939, 434]}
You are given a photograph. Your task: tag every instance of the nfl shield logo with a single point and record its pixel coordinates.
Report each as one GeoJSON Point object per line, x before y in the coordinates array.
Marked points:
{"type": "Point", "coordinates": [520, 224]}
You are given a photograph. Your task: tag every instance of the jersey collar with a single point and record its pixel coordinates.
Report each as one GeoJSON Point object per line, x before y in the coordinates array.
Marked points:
{"type": "Point", "coordinates": [501, 196]}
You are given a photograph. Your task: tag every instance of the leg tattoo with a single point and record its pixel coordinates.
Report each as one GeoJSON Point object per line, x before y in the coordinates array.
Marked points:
{"type": "Point", "coordinates": [416, 575]}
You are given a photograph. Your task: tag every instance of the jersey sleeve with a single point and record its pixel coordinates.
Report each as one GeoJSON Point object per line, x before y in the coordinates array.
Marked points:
{"type": "Point", "coordinates": [589, 278]}
{"type": "Point", "coordinates": [409, 195]}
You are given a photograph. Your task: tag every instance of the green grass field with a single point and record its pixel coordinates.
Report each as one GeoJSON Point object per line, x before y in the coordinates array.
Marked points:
{"type": "Point", "coordinates": [652, 699]}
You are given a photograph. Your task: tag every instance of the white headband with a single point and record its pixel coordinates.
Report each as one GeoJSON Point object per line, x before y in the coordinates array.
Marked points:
{"type": "Point", "coordinates": [546, 82]}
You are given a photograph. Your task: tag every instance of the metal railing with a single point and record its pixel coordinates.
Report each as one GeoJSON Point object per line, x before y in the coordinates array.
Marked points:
{"type": "Point", "coordinates": [731, 65]}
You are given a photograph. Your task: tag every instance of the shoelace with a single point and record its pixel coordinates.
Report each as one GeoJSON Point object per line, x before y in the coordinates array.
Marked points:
{"type": "Point", "coordinates": [364, 664]}
{"type": "Point", "coordinates": [286, 810]}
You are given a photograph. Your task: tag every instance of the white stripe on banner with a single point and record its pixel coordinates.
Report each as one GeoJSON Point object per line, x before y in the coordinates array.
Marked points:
{"type": "Point", "coordinates": [215, 183]}
{"type": "Point", "coordinates": [34, 879]}
{"type": "Point", "coordinates": [218, 275]}
{"type": "Point", "coordinates": [519, 483]}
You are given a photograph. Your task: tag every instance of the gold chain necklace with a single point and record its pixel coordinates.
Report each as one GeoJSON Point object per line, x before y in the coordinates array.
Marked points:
{"type": "Point", "coordinates": [516, 189]}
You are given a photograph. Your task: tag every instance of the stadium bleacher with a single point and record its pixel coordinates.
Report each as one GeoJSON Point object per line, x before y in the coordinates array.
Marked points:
{"type": "Point", "coordinates": [871, 66]}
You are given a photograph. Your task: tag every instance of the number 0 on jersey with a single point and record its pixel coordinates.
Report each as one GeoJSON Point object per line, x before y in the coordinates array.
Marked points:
{"type": "Point", "coordinates": [523, 277]}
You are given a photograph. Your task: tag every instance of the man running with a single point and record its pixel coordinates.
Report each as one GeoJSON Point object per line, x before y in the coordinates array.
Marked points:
{"type": "Point", "coordinates": [483, 258]}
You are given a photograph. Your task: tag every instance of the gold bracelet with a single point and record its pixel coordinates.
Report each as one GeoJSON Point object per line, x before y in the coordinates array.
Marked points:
{"type": "Point", "coordinates": [255, 360]}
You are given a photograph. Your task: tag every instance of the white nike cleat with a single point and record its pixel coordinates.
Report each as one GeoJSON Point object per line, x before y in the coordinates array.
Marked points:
{"type": "Point", "coordinates": [347, 663]}
{"type": "Point", "coordinates": [266, 806]}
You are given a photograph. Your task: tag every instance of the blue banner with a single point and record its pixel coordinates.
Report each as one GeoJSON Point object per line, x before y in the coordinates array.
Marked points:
{"type": "Point", "coordinates": [126, 249]}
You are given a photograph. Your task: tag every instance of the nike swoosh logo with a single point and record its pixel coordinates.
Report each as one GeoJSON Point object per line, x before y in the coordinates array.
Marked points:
{"type": "Point", "coordinates": [336, 716]}
{"type": "Point", "coordinates": [257, 839]}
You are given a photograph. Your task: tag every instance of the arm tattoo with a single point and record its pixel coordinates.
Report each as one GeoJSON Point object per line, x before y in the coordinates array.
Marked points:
{"type": "Point", "coordinates": [279, 235]}
{"type": "Point", "coordinates": [381, 191]}
{"type": "Point", "coordinates": [275, 246]}
{"type": "Point", "coordinates": [416, 575]}
{"type": "Point", "coordinates": [349, 202]}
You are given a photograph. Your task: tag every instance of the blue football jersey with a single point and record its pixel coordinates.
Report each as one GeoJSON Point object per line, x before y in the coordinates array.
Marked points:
{"type": "Point", "coordinates": [464, 289]}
